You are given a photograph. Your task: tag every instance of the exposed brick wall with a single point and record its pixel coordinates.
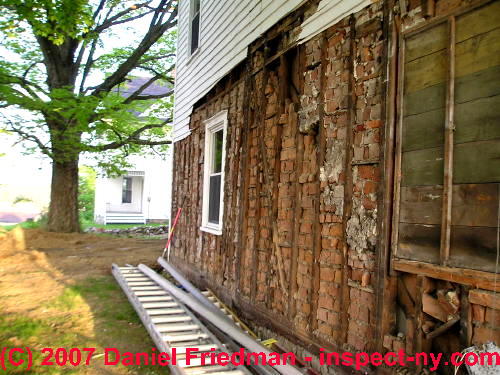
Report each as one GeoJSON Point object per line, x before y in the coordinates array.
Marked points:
{"type": "Point", "coordinates": [304, 157]}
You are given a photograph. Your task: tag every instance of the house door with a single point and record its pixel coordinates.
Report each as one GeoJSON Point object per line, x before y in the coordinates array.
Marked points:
{"type": "Point", "coordinates": [130, 198]}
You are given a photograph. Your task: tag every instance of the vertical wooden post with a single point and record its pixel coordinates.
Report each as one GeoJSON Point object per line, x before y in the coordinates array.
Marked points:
{"type": "Point", "coordinates": [399, 142]}
{"type": "Point", "coordinates": [386, 285]}
{"type": "Point", "coordinates": [448, 147]}
{"type": "Point", "coordinates": [348, 185]}
{"type": "Point", "coordinates": [419, 337]}
{"type": "Point", "coordinates": [299, 145]}
{"type": "Point", "coordinates": [321, 145]}
{"type": "Point", "coordinates": [260, 131]}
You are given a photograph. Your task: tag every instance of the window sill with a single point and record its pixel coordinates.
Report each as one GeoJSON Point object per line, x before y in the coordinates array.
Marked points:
{"type": "Point", "coordinates": [193, 55]}
{"type": "Point", "coordinates": [215, 231]}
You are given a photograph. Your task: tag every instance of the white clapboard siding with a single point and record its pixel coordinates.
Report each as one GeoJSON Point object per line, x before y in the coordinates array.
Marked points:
{"type": "Point", "coordinates": [227, 28]}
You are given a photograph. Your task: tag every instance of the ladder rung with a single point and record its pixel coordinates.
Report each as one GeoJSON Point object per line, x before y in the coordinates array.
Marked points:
{"type": "Point", "coordinates": [161, 311]}
{"type": "Point", "coordinates": [184, 337]}
{"type": "Point", "coordinates": [141, 283]}
{"type": "Point", "coordinates": [171, 319]}
{"type": "Point", "coordinates": [153, 305]}
{"type": "Point", "coordinates": [163, 328]}
{"type": "Point", "coordinates": [201, 348]}
{"type": "Point", "coordinates": [145, 293]}
{"type": "Point", "coordinates": [155, 298]}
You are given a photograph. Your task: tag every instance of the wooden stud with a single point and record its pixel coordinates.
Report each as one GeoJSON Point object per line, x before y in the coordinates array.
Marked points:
{"type": "Point", "coordinates": [448, 148]}
{"type": "Point", "coordinates": [348, 189]}
{"type": "Point", "coordinates": [299, 146]}
{"type": "Point", "coordinates": [385, 283]}
{"type": "Point", "coordinates": [399, 141]}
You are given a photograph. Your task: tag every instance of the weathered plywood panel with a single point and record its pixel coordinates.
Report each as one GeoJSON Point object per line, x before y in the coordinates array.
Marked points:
{"type": "Point", "coordinates": [426, 42]}
{"type": "Point", "coordinates": [422, 167]}
{"type": "Point", "coordinates": [478, 53]}
{"type": "Point", "coordinates": [419, 242]}
{"type": "Point", "coordinates": [476, 162]}
{"type": "Point", "coordinates": [425, 100]}
{"type": "Point", "coordinates": [479, 84]}
{"type": "Point", "coordinates": [473, 247]}
{"type": "Point", "coordinates": [478, 21]}
{"type": "Point", "coordinates": [478, 120]}
{"type": "Point", "coordinates": [425, 130]}
{"type": "Point", "coordinates": [475, 205]}
{"type": "Point", "coordinates": [426, 71]}
{"type": "Point", "coordinates": [421, 204]}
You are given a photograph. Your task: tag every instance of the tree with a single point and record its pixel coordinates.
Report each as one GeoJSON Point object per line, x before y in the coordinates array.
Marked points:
{"type": "Point", "coordinates": [62, 70]}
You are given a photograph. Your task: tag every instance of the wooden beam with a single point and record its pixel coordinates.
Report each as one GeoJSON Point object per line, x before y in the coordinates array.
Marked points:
{"type": "Point", "coordinates": [449, 128]}
{"type": "Point", "coordinates": [348, 187]}
{"type": "Point", "coordinates": [321, 145]}
{"type": "Point", "coordinates": [442, 329]}
{"type": "Point", "coordinates": [478, 279]}
{"type": "Point", "coordinates": [385, 283]}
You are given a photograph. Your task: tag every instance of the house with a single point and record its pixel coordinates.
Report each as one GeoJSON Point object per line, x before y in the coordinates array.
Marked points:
{"type": "Point", "coordinates": [338, 166]}
{"type": "Point", "coordinates": [140, 196]}
{"type": "Point", "coordinates": [142, 193]}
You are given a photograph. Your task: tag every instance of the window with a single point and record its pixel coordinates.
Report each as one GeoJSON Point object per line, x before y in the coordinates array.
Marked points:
{"type": "Point", "coordinates": [194, 25]}
{"type": "Point", "coordinates": [127, 190]}
{"type": "Point", "coordinates": [213, 176]}
{"type": "Point", "coordinates": [448, 150]}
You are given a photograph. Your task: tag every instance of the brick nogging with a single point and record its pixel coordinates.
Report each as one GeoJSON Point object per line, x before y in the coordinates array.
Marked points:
{"type": "Point", "coordinates": [304, 150]}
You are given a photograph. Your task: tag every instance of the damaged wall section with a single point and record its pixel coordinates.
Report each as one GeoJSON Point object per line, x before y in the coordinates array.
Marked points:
{"type": "Point", "coordinates": [303, 194]}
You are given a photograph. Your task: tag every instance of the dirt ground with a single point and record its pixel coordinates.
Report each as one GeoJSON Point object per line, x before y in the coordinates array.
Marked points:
{"type": "Point", "coordinates": [57, 290]}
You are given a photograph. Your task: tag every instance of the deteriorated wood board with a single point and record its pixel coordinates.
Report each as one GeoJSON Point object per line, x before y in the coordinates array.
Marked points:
{"type": "Point", "coordinates": [418, 128]}
{"type": "Point", "coordinates": [425, 71]}
{"type": "Point", "coordinates": [419, 242]}
{"type": "Point", "coordinates": [478, 279]}
{"type": "Point", "coordinates": [431, 306]}
{"type": "Point", "coordinates": [477, 162]}
{"type": "Point", "coordinates": [479, 21]}
{"type": "Point", "coordinates": [473, 205]}
{"type": "Point", "coordinates": [422, 167]}
{"type": "Point", "coordinates": [478, 53]}
{"type": "Point", "coordinates": [424, 100]}
{"type": "Point", "coordinates": [426, 42]}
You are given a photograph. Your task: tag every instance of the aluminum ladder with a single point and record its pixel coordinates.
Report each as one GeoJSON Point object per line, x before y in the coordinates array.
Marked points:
{"type": "Point", "coordinates": [172, 325]}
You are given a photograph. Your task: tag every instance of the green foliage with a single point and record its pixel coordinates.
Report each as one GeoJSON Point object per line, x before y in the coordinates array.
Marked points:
{"type": "Point", "coordinates": [74, 107]}
{"type": "Point", "coordinates": [21, 199]}
{"type": "Point", "coordinates": [86, 192]}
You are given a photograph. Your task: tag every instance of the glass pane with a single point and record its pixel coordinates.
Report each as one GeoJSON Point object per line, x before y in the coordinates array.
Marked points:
{"type": "Point", "coordinates": [195, 32]}
{"type": "Point", "coordinates": [127, 190]}
{"type": "Point", "coordinates": [476, 159]}
{"type": "Point", "coordinates": [196, 6]}
{"type": "Point", "coordinates": [422, 145]}
{"type": "Point", "coordinates": [217, 156]}
{"type": "Point", "coordinates": [214, 199]}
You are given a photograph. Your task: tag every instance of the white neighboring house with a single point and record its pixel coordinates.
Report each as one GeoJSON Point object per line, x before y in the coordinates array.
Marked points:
{"type": "Point", "coordinates": [141, 195]}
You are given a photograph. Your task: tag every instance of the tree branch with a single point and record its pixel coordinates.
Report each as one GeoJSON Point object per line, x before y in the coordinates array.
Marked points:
{"type": "Point", "coordinates": [154, 58]}
{"type": "Point", "coordinates": [151, 37]}
{"type": "Point", "coordinates": [138, 92]}
{"type": "Point", "coordinates": [28, 137]}
{"type": "Point", "coordinates": [133, 139]}
{"type": "Point", "coordinates": [115, 20]}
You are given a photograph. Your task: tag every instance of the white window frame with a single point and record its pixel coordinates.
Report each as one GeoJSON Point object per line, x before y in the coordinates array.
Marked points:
{"type": "Point", "coordinates": [191, 17]}
{"type": "Point", "coordinates": [213, 125]}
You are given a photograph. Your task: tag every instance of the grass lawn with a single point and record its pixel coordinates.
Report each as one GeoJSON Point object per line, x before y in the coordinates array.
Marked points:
{"type": "Point", "coordinates": [56, 291]}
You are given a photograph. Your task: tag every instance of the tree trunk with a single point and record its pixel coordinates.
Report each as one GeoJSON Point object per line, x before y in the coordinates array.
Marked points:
{"type": "Point", "coordinates": [63, 209]}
